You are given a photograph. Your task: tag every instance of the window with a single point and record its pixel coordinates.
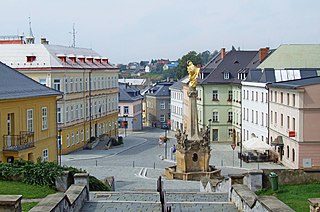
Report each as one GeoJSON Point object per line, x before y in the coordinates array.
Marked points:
{"type": "Point", "coordinates": [288, 99]}
{"type": "Point", "coordinates": [266, 97]}
{"type": "Point", "coordinates": [30, 120]}
{"type": "Point", "coordinates": [275, 117]}
{"type": "Point", "coordinates": [126, 109]}
{"type": "Point", "coordinates": [267, 120]}
{"type": "Point", "coordinates": [72, 138]}
{"type": "Point", "coordinates": [87, 85]}
{"type": "Point", "coordinates": [230, 133]}
{"type": "Point", "coordinates": [81, 111]}
{"type": "Point", "coordinates": [82, 135]}
{"type": "Point", "coordinates": [57, 84]}
{"type": "Point", "coordinates": [252, 95]}
{"type": "Point", "coordinates": [59, 115]}
{"type": "Point", "coordinates": [45, 154]}
{"type": "Point", "coordinates": [76, 85]}
{"type": "Point", "coordinates": [247, 114]}
{"type": "Point", "coordinates": [257, 117]}
{"type": "Point", "coordinates": [226, 75]}
{"type": "Point", "coordinates": [78, 137]}
{"type": "Point", "coordinates": [244, 114]}
{"type": "Point", "coordinates": [288, 152]}
{"type": "Point", "coordinates": [293, 124]}
{"type": "Point", "coordinates": [281, 97]}
{"type": "Point", "coordinates": [252, 116]}
{"type": "Point", "coordinates": [293, 155]}
{"type": "Point", "coordinates": [229, 95]}
{"type": "Point", "coordinates": [162, 118]}
{"type": "Point", "coordinates": [271, 96]}
{"type": "Point", "coordinates": [72, 113]}
{"type": "Point", "coordinates": [288, 122]}
{"type": "Point", "coordinates": [293, 100]}
{"type": "Point", "coordinates": [257, 96]}
{"type": "Point", "coordinates": [67, 114]}
{"type": "Point", "coordinates": [77, 112]}
{"type": "Point", "coordinates": [247, 94]}
{"type": "Point", "coordinates": [71, 85]}
{"type": "Point", "coordinates": [66, 86]}
{"type": "Point", "coordinates": [162, 105]}
{"type": "Point", "coordinates": [281, 120]}
{"type": "Point", "coordinates": [215, 117]}
{"type": "Point", "coordinates": [31, 58]}
{"type": "Point", "coordinates": [68, 140]}
{"type": "Point", "coordinates": [271, 117]}
{"type": "Point", "coordinates": [215, 96]}
{"type": "Point", "coordinates": [262, 119]}
{"type": "Point", "coordinates": [230, 117]}
{"type": "Point", "coordinates": [44, 118]}
{"type": "Point", "coordinates": [81, 84]}
{"type": "Point", "coordinates": [275, 96]}
{"type": "Point", "coordinates": [261, 96]}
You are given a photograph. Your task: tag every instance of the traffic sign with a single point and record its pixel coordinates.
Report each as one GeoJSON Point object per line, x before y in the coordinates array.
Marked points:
{"type": "Point", "coordinates": [233, 146]}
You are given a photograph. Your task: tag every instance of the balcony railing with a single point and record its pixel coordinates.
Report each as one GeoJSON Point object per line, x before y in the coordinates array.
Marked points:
{"type": "Point", "coordinates": [18, 142]}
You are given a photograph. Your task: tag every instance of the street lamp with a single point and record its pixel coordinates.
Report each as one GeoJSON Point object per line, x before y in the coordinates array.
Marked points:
{"type": "Point", "coordinates": [125, 124]}
{"type": "Point", "coordinates": [210, 128]}
{"type": "Point", "coordinates": [60, 144]}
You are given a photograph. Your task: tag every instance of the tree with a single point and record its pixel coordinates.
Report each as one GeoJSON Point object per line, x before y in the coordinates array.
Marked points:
{"type": "Point", "coordinates": [181, 69]}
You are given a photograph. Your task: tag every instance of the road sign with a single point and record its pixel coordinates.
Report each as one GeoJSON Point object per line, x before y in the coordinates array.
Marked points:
{"type": "Point", "coordinates": [164, 126]}
{"type": "Point", "coordinates": [233, 146]}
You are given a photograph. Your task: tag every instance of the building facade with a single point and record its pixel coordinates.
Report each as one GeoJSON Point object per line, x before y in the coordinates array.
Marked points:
{"type": "Point", "coordinates": [130, 108]}
{"type": "Point", "coordinates": [158, 104]}
{"type": "Point", "coordinates": [177, 108]}
{"type": "Point", "coordinates": [28, 127]}
{"type": "Point", "coordinates": [89, 106]}
{"type": "Point", "coordinates": [294, 121]}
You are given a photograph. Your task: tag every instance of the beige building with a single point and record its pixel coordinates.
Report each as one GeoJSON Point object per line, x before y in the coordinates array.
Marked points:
{"type": "Point", "coordinates": [294, 121]}
{"type": "Point", "coordinates": [89, 106]}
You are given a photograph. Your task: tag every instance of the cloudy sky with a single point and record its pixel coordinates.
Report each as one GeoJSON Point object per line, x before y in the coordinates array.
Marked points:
{"type": "Point", "coordinates": [135, 30]}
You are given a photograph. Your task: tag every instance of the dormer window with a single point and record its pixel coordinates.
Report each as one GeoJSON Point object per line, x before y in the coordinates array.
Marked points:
{"type": "Point", "coordinates": [226, 75]}
{"type": "Point", "coordinates": [62, 57]}
{"type": "Point", "coordinates": [72, 58]}
{"type": "Point", "coordinates": [30, 59]}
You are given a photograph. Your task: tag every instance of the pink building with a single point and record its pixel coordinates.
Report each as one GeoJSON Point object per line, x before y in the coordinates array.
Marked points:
{"type": "Point", "coordinates": [294, 121]}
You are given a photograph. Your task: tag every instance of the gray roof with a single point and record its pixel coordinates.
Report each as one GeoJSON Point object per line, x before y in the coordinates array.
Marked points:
{"type": "Point", "coordinates": [268, 75]}
{"type": "Point", "coordinates": [178, 85]}
{"type": "Point", "coordinates": [160, 89]}
{"type": "Point", "coordinates": [294, 84]}
{"type": "Point", "coordinates": [127, 93]}
{"type": "Point", "coordinates": [14, 85]}
{"type": "Point", "coordinates": [233, 63]}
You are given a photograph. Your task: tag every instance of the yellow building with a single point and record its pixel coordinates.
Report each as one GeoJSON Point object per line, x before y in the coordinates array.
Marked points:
{"type": "Point", "coordinates": [27, 118]}
{"type": "Point", "coordinates": [89, 106]}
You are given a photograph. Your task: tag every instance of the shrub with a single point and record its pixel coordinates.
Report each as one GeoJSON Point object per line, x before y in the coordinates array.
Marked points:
{"type": "Point", "coordinates": [97, 185]}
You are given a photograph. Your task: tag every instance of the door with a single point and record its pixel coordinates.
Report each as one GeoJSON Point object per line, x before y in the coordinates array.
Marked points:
{"type": "Point", "coordinates": [215, 134]}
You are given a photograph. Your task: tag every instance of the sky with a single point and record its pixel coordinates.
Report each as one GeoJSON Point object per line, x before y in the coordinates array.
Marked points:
{"type": "Point", "coordinates": [136, 30]}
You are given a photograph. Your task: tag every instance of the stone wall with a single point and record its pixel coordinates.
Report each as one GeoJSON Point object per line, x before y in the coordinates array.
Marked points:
{"type": "Point", "coordinates": [247, 201]}
{"type": "Point", "coordinates": [290, 176]}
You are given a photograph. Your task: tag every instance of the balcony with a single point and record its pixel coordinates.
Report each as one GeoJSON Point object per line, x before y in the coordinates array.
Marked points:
{"type": "Point", "coordinates": [18, 142]}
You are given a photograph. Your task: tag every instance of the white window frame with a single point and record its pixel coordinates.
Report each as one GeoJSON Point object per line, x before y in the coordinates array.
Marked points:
{"type": "Point", "coordinates": [226, 75]}
{"type": "Point", "coordinates": [162, 118]}
{"type": "Point", "coordinates": [125, 109]}
{"type": "Point", "coordinates": [215, 95]}
{"type": "Point", "coordinates": [72, 139]}
{"type": "Point", "coordinates": [215, 116]}
{"type": "Point", "coordinates": [162, 105]}
{"type": "Point", "coordinates": [30, 120]}
{"type": "Point", "coordinates": [66, 86]}
{"type": "Point", "coordinates": [44, 118]}
{"type": "Point", "coordinates": [57, 84]}
{"type": "Point", "coordinates": [68, 140]}
{"type": "Point", "coordinates": [78, 137]}
{"type": "Point", "coordinates": [59, 115]}
{"type": "Point", "coordinates": [45, 155]}
{"type": "Point", "coordinates": [82, 135]}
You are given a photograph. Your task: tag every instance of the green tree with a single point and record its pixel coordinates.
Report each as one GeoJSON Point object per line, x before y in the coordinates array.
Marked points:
{"type": "Point", "coordinates": [181, 69]}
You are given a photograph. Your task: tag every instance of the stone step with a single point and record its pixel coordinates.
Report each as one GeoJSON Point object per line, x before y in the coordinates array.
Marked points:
{"type": "Point", "coordinates": [154, 196]}
{"type": "Point", "coordinates": [155, 206]}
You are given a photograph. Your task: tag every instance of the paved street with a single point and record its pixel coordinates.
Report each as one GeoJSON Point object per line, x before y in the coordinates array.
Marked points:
{"type": "Point", "coordinates": [137, 164]}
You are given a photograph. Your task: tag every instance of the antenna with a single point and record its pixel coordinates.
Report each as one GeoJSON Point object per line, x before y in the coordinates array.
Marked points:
{"type": "Point", "coordinates": [73, 36]}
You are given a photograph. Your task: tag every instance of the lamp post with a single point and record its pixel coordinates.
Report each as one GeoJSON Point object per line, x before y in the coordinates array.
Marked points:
{"type": "Point", "coordinates": [59, 144]}
{"type": "Point", "coordinates": [125, 124]}
{"type": "Point", "coordinates": [210, 128]}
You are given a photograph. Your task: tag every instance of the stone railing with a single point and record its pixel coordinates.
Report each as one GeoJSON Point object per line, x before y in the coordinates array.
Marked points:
{"type": "Point", "coordinates": [71, 200]}
{"type": "Point", "coordinates": [247, 201]}
{"type": "Point", "coordinates": [314, 204]}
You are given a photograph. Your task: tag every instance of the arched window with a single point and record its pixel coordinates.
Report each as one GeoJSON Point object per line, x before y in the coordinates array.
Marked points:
{"type": "Point", "coordinates": [288, 153]}
{"type": "Point", "coordinates": [293, 155]}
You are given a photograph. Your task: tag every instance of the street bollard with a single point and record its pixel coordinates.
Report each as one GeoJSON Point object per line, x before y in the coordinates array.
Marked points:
{"type": "Point", "coordinates": [221, 162]}
{"type": "Point", "coordinates": [96, 163]}
{"type": "Point", "coordinates": [133, 164]}
{"type": "Point", "coordinates": [154, 165]}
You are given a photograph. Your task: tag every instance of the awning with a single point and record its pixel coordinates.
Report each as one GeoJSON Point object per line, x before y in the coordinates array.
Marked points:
{"type": "Point", "coordinates": [277, 141]}
{"type": "Point", "coordinates": [255, 143]}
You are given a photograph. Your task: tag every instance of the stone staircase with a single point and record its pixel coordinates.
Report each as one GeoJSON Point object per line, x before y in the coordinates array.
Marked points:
{"type": "Point", "coordinates": [150, 201]}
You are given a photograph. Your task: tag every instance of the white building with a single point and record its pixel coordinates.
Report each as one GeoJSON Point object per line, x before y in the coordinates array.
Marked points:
{"type": "Point", "coordinates": [177, 105]}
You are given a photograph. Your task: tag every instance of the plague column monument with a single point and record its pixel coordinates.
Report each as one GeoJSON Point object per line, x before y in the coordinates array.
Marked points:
{"type": "Point", "coordinates": [193, 148]}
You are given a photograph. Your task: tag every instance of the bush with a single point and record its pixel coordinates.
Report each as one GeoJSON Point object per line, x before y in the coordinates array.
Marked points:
{"type": "Point", "coordinates": [97, 185]}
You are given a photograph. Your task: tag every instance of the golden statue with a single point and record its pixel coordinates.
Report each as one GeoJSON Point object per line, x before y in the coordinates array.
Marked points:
{"type": "Point", "coordinates": [193, 72]}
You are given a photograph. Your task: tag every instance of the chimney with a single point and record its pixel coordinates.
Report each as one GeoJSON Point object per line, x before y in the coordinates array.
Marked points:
{"type": "Point", "coordinates": [263, 53]}
{"type": "Point", "coordinates": [44, 41]}
{"type": "Point", "coordinates": [223, 53]}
